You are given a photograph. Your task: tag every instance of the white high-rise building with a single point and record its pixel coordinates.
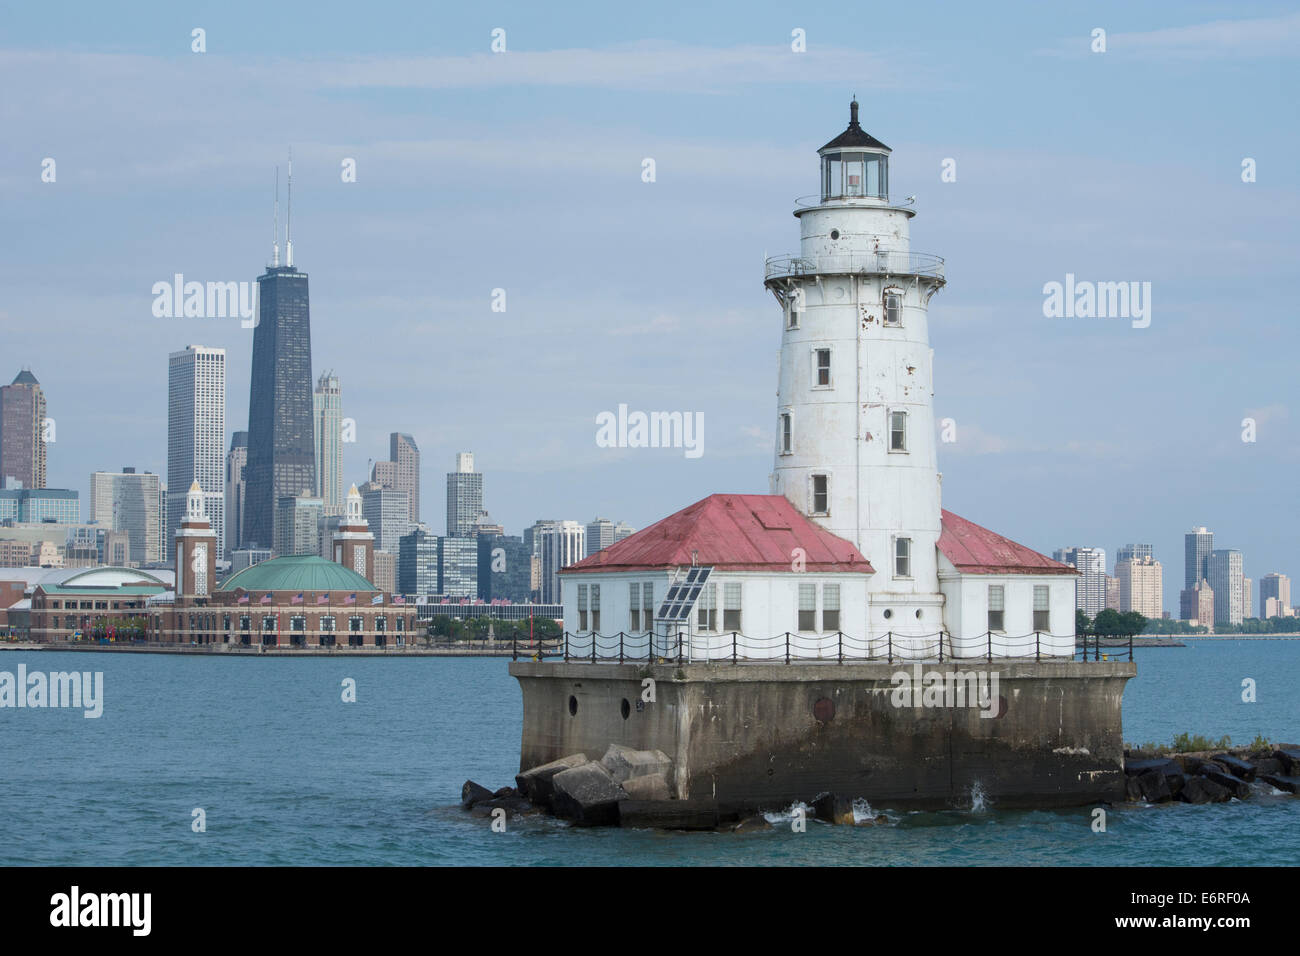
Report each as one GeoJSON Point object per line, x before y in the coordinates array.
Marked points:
{"type": "Point", "coordinates": [128, 501]}
{"type": "Point", "coordinates": [327, 426]}
{"type": "Point", "coordinates": [1090, 593]}
{"type": "Point", "coordinates": [464, 497]}
{"type": "Point", "coordinates": [196, 436]}
{"type": "Point", "coordinates": [560, 544]}
{"type": "Point", "coordinates": [1229, 584]}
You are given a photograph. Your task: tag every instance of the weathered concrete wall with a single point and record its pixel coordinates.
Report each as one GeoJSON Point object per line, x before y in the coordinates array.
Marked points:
{"type": "Point", "coordinates": [762, 736]}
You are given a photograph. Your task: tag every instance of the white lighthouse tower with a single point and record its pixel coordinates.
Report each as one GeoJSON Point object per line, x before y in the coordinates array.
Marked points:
{"type": "Point", "coordinates": [855, 446]}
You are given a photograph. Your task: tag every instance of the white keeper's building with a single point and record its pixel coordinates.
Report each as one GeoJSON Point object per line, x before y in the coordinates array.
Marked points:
{"type": "Point", "coordinates": [852, 552]}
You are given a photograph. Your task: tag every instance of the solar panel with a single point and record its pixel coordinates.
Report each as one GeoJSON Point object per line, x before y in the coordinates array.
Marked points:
{"type": "Point", "coordinates": [682, 595]}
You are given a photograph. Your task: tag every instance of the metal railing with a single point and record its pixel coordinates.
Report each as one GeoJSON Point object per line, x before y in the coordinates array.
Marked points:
{"type": "Point", "coordinates": [867, 263]}
{"type": "Point", "coordinates": [735, 648]}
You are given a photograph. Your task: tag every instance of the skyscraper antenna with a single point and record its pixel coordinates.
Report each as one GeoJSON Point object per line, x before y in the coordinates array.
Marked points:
{"type": "Point", "coordinates": [275, 231]}
{"type": "Point", "coordinates": [288, 229]}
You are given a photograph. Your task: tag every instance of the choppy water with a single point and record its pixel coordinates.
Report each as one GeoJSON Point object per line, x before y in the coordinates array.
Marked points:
{"type": "Point", "coordinates": [289, 774]}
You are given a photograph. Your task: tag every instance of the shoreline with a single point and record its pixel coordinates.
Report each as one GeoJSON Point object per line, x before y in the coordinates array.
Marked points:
{"type": "Point", "coordinates": [231, 650]}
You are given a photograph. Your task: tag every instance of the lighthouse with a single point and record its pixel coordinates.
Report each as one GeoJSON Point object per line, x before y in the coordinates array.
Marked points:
{"type": "Point", "coordinates": [855, 433]}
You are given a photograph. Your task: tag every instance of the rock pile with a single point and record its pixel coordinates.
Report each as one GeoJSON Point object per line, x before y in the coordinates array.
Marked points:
{"type": "Point", "coordinates": [1210, 777]}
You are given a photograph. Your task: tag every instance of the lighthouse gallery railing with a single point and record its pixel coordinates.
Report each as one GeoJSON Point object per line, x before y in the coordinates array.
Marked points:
{"type": "Point", "coordinates": [869, 263]}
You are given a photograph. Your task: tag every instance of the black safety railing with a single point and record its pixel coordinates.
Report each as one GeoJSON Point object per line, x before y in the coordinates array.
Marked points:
{"type": "Point", "coordinates": [735, 648]}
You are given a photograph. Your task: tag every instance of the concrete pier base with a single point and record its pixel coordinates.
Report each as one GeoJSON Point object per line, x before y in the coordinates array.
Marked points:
{"type": "Point", "coordinates": [761, 736]}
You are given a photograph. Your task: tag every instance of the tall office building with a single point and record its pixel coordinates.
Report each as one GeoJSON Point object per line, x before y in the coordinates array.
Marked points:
{"type": "Point", "coordinates": [1197, 545]}
{"type": "Point", "coordinates": [387, 511]}
{"type": "Point", "coordinates": [196, 437]}
{"type": "Point", "coordinates": [504, 568]}
{"type": "Point", "coordinates": [1228, 582]}
{"type": "Point", "coordinates": [22, 433]}
{"type": "Point", "coordinates": [560, 544]}
{"type": "Point", "coordinates": [600, 535]}
{"type": "Point", "coordinates": [1246, 602]}
{"type": "Point", "coordinates": [327, 427]}
{"type": "Point", "coordinates": [281, 437]}
{"type": "Point", "coordinates": [236, 490]}
{"type": "Point", "coordinates": [417, 563]}
{"type": "Point", "coordinates": [1141, 586]}
{"type": "Point", "coordinates": [1134, 552]}
{"type": "Point", "coordinates": [464, 497]}
{"type": "Point", "coordinates": [297, 524]}
{"type": "Point", "coordinates": [405, 456]}
{"type": "Point", "coordinates": [1090, 590]}
{"type": "Point", "coordinates": [458, 567]}
{"type": "Point", "coordinates": [1278, 588]}
{"type": "Point", "coordinates": [127, 502]}
{"type": "Point", "coordinates": [383, 474]}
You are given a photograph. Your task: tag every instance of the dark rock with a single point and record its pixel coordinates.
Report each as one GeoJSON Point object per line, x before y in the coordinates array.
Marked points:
{"type": "Point", "coordinates": [1267, 765]}
{"type": "Point", "coordinates": [1154, 787]}
{"type": "Point", "coordinates": [1139, 767]}
{"type": "Point", "coordinates": [1176, 780]}
{"type": "Point", "coordinates": [505, 792]}
{"type": "Point", "coordinates": [537, 784]}
{"type": "Point", "coordinates": [650, 787]}
{"type": "Point", "coordinates": [1236, 766]}
{"type": "Point", "coordinates": [751, 824]}
{"type": "Point", "coordinates": [1284, 783]}
{"type": "Point", "coordinates": [673, 814]}
{"type": "Point", "coordinates": [624, 763]}
{"type": "Point", "coordinates": [829, 808]}
{"type": "Point", "coordinates": [1132, 792]}
{"type": "Point", "coordinates": [472, 793]}
{"type": "Point", "coordinates": [1203, 790]}
{"type": "Point", "coordinates": [587, 795]}
{"type": "Point", "coordinates": [1237, 787]}
{"type": "Point", "coordinates": [1290, 760]}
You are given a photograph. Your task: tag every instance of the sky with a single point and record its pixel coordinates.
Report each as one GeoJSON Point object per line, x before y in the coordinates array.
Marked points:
{"type": "Point", "coordinates": [522, 171]}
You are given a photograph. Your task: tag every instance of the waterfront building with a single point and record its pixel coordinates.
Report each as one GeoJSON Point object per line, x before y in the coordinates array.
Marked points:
{"type": "Point", "coordinates": [127, 501]}
{"type": "Point", "coordinates": [464, 497]}
{"type": "Point", "coordinates": [327, 430]}
{"type": "Point", "coordinates": [1141, 586]}
{"type": "Point", "coordinates": [196, 434]}
{"type": "Point", "coordinates": [353, 541]}
{"type": "Point", "coordinates": [1197, 546]}
{"type": "Point", "coordinates": [22, 432]}
{"type": "Point", "coordinates": [1092, 595]}
{"type": "Point", "coordinates": [1228, 582]}
{"type": "Point", "coordinates": [1277, 588]}
{"type": "Point", "coordinates": [236, 489]}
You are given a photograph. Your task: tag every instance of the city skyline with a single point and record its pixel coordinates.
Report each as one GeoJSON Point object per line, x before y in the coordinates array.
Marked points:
{"type": "Point", "coordinates": [1014, 465]}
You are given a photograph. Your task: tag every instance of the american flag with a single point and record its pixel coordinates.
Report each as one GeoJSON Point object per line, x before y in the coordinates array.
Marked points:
{"type": "Point", "coordinates": [243, 598]}
{"type": "Point", "coordinates": [297, 598]}
{"type": "Point", "coordinates": [266, 598]}
{"type": "Point", "coordinates": [351, 598]}
{"type": "Point", "coordinates": [398, 599]}
{"type": "Point", "coordinates": [324, 598]}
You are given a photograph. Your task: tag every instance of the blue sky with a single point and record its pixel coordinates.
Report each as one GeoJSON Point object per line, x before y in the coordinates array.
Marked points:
{"type": "Point", "coordinates": [522, 170]}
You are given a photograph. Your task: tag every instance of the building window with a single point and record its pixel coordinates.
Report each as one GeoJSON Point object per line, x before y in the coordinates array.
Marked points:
{"type": "Point", "coordinates": [807, 607]}
{"type": "Point", "coordinates": [1042, 609]}
{"type": "Point", "coordinates": [787, 433]}
{"type": "Point", "coordinates": [381, 624]}
{"type": "Point", "coordinates": [244, 622]}
{"type": "Point", "coordinates": [731, 606]}
{"type": "Point", "coordinates": [893, 309]}
{"type": "Point", "coordinates": [298, 623]}
{"type": "Point", "coordinates": [902, 557]}
{"type": "Point", "coordinates": [354, 624]}
{"type": "Point", "coordinates": [595, 607]}
{"type": "Point", "coordinates": [582, 608]}
{"type": "Point", "coordinates": [327, 623]}
{"type": "Point", "coordinates": [996, 607]}
{"type": "Point", "coordinates": [268, 622]}
{"type": "Point", "coordinates": [707, 609]}
{"type": "Point", "coordinates": [898, 431]}
{"type": "Point", "coordinates": [400, 622]}
{"type": "Point", "coordinates": [634, 607]}
{"type": "Point", "coordinates": [647, 605]}
{"type": "Point", "coordinates": [792, 315]}
{"type": "Point", "coordinates": [821, 497]}
{"type": "Point", "coordinates": [830, 607]}
{"type": "Point", "coordinates": [226, 622]}
{"type": "Point", "coordinates": [823, 359]}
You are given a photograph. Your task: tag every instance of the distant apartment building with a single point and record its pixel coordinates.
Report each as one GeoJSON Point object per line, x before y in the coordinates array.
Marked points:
{"type": "Point", "coordinates": [22, 432]}
{"type": "Point", "coordinates": [1275, 587]}
{"type": "Point", "coordinates": [458, 567]}
{"type": "Point", "coordinates": [1090, 590]}
{"type": "Point", "coordinates": [559, 544]}
{"type": "Point", "coordinates": [417, 563]}
{"type": "Point", "coordinates": [405, 456]}
{"type": "Point", "coordinates": [1141, 586]}
{"type": "Point", "coordinates": [1197, 546]}
{"type": "Point", "coordinates": [236, 490]}
{"type": "Point", "coordinates": [464, 497]}
{"type": "Point", "coordinates": [1228, 582]}
{"type": "Point", "coordinates": [602, 532]}
{"type": "Point", "coordinates": [196, 436]}
{"type": "Point", "coordinates": [388, 512]}
{"type": "Point", "coordinates": [297, 525]}
{"type": "Point", "coordinates": [127, 501]}
{"type": "Point", "coordinates": [327, 429]}
{"type": "Point", "coordinates": [1196, 605]}
{"type": "Point", "coordinates": [385, 572]}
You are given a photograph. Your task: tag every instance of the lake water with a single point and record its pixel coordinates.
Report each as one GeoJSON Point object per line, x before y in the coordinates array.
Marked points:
{"type": "Point", "coordinates": [286, 773]}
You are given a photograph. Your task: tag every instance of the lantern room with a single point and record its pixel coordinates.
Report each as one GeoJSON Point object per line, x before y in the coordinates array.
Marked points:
{"type": "Point", "coordinates": [855, 165]}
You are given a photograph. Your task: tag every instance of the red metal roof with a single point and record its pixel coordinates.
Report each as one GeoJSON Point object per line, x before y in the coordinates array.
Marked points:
{"type": "Point", "coordinates": [730, 533]}
{"type": "Point", "coordinates": [976, 550]}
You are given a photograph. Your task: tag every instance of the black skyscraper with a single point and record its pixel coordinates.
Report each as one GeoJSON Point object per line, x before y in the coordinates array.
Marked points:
{"type": "Point", "coordinates": [281, 444]}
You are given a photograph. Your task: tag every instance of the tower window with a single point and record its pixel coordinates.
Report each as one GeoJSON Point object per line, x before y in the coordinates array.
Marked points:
{"type": "Point", "coordinates": [893, 309]}
{"type": "Point", "coordinates": [582, 607]}
{"type": "Point", "coordinates": [807, 607]}
{"type": "Point", "coordinates": [1042, 609]}
{"type": "Point", "coordinates": [787, 433]}
{"type": "Point", "coordinates": [731, 606]}
{"type": "Point", "coordinates": [898, 431]}
{"type": "Point", "coordinates": [823, 366]}
{"type": "Point", "coordinates": [996, 607]}
{"type": "Point", "coordinates": [902, 557]}
{"type": "Point", "coordinates": [707, 613]}
{"type": "Point", "coordinates": [634, 604]}
{"type": "Point", "coordinates": [830, 607]}
{"type": "Point", "coordinates": [792, 316]}
{"type": "Point", "coordinates": [821, 494]}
